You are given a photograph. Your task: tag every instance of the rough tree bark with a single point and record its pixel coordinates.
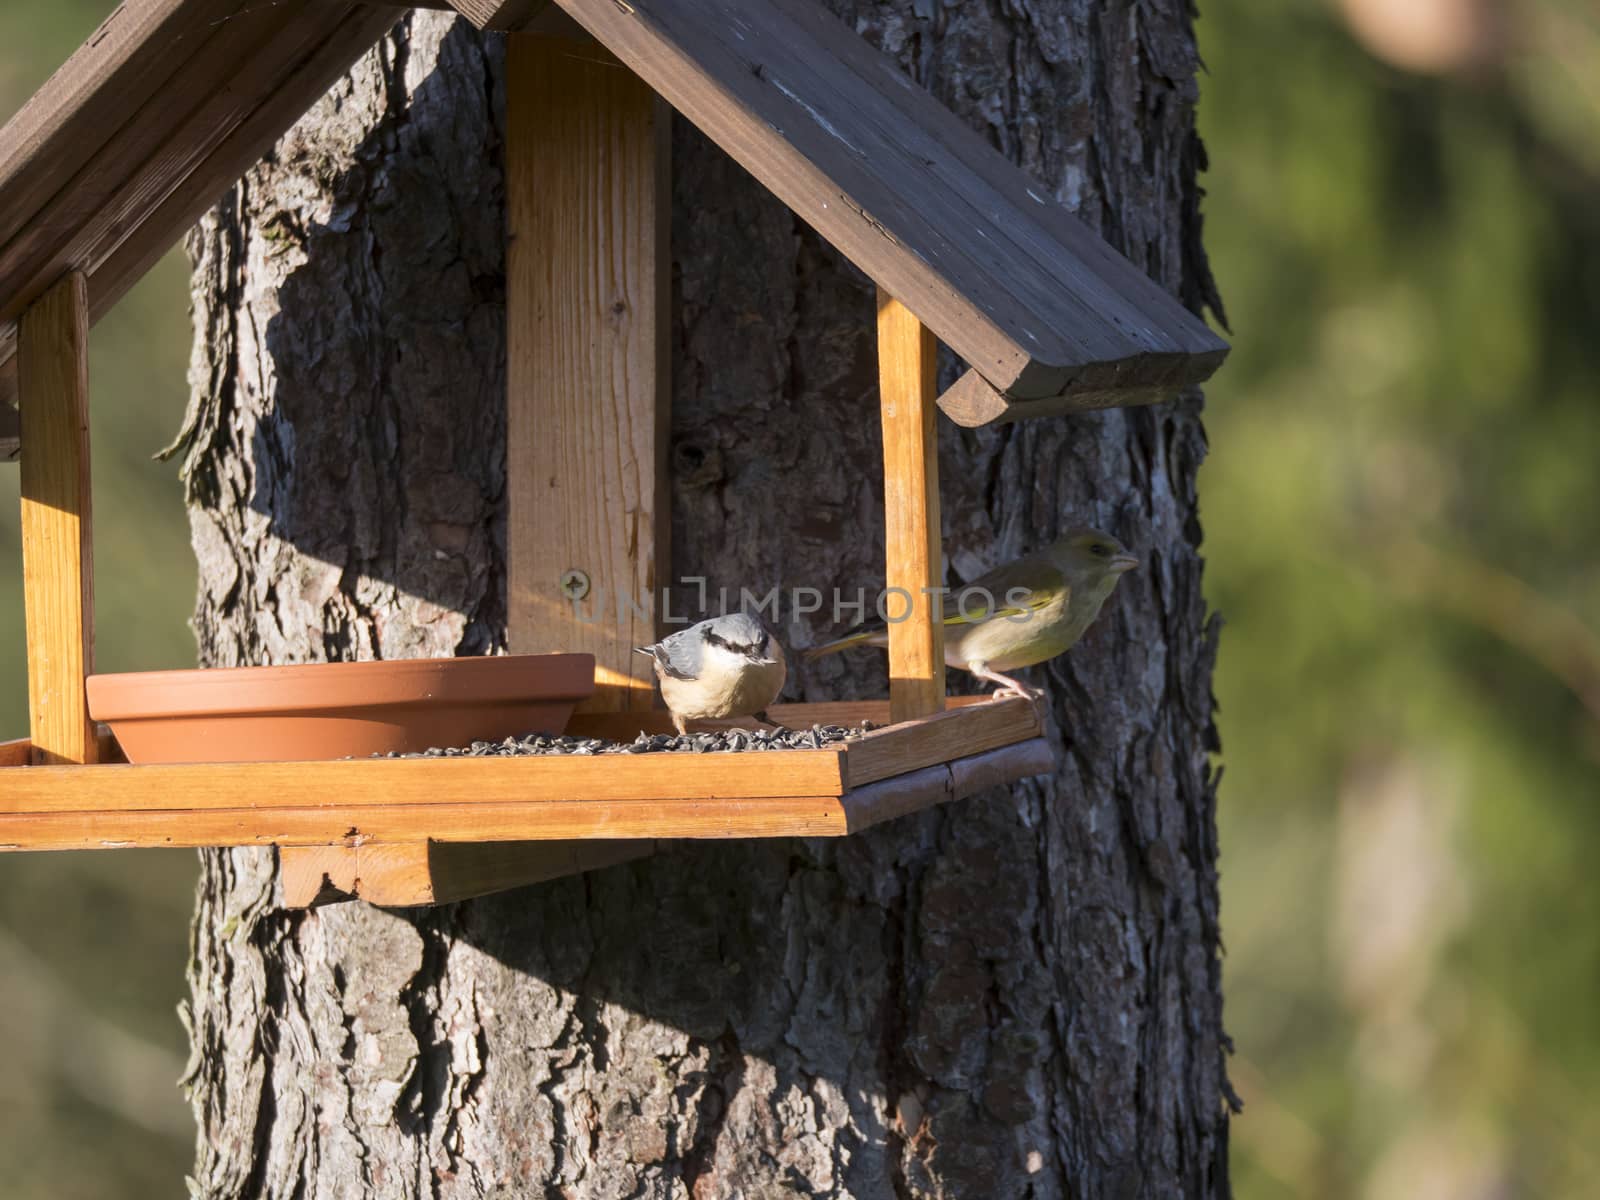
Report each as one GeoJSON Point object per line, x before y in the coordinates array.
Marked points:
{"type": "Point", "coordinates": [1014, 996]}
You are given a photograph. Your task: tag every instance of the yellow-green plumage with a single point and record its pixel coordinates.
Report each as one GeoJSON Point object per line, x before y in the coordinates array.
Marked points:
{"type": "Point", "coordinates": [1041, 605]}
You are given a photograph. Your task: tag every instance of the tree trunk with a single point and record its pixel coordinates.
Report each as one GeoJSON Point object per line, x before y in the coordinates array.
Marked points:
{"type": "Point", "coordinates": [1016, 995]}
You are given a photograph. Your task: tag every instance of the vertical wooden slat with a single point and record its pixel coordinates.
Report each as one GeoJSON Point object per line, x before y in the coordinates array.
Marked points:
{"type": "Point", "coordinates": [57, 563]}
{"type": "Point", "coordinates": [587, 298]}
{"type": "Point", "coordinates": [907, 353]}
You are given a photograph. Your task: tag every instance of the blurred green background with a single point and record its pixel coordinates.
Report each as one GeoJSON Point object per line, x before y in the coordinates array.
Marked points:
{"type": "Point", "coordinates": [1402, 516]}
{"type": "Point", "coordinates": [93, 946]}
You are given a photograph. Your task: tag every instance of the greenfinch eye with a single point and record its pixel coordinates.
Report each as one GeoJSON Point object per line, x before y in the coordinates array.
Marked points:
{"type": "Point", "coordinates": [1100, 550]}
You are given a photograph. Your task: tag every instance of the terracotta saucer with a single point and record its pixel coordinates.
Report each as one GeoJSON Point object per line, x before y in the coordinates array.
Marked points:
{"type": "Point", "coordinates": [331, 710]}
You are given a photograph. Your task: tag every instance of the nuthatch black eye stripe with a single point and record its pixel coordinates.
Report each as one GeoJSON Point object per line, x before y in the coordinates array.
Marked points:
{"type": "Point", "coordinates": [732, 647]}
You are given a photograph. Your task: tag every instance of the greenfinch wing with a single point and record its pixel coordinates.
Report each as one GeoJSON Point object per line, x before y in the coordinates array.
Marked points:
{"type": "Point", "coordinates": [997, 593]}
{"type": "Point", "coordinates": [1000, 592]}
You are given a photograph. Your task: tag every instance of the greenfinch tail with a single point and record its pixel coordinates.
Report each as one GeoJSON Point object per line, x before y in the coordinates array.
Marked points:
{"type": "Point", "coordinates": [852, 639]}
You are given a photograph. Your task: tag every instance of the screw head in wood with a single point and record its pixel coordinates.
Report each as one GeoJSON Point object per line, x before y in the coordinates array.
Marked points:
{"type": "Point", "coordinates": [574, 584]}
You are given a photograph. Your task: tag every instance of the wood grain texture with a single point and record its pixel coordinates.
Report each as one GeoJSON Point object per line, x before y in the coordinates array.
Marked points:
{"type": "Point", "coordinates": [492, 801]}
{"type": "Point", "coordinates": [234, 154]}
{"type": "Point", "coordinates": [1001, 272]}
{"type": "Point", "coordinates": [211, 91]}
{"type": "Point", "coordinates": [444, 872]}
{"type": "Point", "coordinates": [586, 295]}
{"type": "Point", "coordinates": [219, 88]}
{"type": "Point", "coordinates": [552, 22]}
{"type": "Point", "coordinates": [346, 785]}
{"type": "Point", "coordinates": [972, 401]}
{"type": "Point", "coordinates": [448, 849]}
{"type": "Point", "coordinates": [125, 62]}
{"type": "Point", "coordinates": [913, 557]}
{"type": "Point", "coordinates": [57, 555]}
{"type": "Point", "coordinates": [405, 874]}
{"type": "Point", "coordinates": [309, 876]}
{"type": "Point", "coordinates": [955, 733]}
{"type": "Point", "coordinates": [902, 795]}
{"type": "Point", "coordinates": [18, 752]}
{"type": "Point", "coordinates": [733, 817]}
{"type": "Point", "coordinates": [503, 15]}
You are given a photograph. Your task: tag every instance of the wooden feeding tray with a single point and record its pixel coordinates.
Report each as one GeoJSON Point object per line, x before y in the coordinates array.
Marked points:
{"type": "Point", "coordinates": [369, 827]}
{"type": "Point", "coordinates": [172, 100]}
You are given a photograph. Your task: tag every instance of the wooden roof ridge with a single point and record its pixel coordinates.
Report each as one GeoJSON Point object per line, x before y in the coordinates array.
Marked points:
{"type": "Point", "coordinates": [169, 102]}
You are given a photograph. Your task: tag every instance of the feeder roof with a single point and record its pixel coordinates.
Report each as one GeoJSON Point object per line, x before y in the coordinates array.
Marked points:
{"type": "Point", "coordinates": [170, 101]}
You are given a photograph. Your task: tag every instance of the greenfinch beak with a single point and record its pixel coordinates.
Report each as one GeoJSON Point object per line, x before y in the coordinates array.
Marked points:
{"type": "Point", "coordinates": [1119, 563]}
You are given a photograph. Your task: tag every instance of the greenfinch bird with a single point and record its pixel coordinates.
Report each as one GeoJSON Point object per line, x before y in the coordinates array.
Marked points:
{"type": "Point", "coordinates": [1020, 614]}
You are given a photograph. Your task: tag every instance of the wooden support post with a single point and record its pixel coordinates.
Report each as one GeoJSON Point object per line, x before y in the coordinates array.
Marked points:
{"type": "Point", "coordinates": [587, 299]}
{"type": "Point", "coordinates": [57, 561]}
{"type": "Point", "coordinates": [907, 354]}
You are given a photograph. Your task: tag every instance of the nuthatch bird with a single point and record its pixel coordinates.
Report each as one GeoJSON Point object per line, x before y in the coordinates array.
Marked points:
{"type": "Point", "coordinates": [1020, 614]}
{"type": "Point", "coordinates": [728, 666]}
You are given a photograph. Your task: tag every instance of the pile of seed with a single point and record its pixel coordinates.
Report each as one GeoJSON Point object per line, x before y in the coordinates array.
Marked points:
{"type": "Point", "coordinates": [721, 741]}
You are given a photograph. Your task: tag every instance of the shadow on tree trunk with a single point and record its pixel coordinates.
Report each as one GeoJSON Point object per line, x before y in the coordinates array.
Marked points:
{"type": "Point", "coordinates": [1017, 995]}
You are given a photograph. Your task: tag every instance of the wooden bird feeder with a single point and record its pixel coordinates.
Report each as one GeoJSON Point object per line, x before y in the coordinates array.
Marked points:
{"type": "Point", "coordinates": [171, 101]}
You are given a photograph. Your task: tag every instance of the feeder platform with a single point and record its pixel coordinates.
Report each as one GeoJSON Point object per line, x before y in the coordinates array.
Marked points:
{"type": "Point", "coordinates": [398, 813]}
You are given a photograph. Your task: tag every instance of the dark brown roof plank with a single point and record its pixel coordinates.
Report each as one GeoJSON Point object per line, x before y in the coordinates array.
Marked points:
{"type": "Point", "coordinates": [165, 138]}
{"type": "Point", "coordinates": [238, 152]}
{"type": "Point", "coordinates": [123, 63]}
{"type": "Point", "coordinates": [966, 245]}
{"type": "Point", "coordinates": [1055, 264]}
{"type": "Point", "coordinates": [977, 189]}
{"type": "Point", "coordinates": [995, 187]}
{"type": "Point", "coordinates": [193, 160]}
{"type": "Point", "coordinates": [973, 401]}
{"type": "Point", "coordinates": [801, 162]}
{"type": "Point", "coordinates": [1004, 275]}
